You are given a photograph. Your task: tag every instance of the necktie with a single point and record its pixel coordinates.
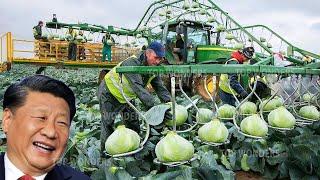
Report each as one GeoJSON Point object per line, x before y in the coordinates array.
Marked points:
{"type": "Point", "coordinates": [26, 177]}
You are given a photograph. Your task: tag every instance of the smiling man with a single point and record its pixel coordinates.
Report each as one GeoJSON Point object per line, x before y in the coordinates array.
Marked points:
{"type": "Point", "coordinates": [36, 119]}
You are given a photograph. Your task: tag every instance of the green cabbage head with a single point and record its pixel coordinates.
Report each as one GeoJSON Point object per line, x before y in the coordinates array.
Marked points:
{"type": "Point", "coordinates": [226, 111]}
{"type": "Point", "coordinates": [272, 104]}
{"type": "Point", "coordinates": [248, 108]}
{"type": "Point", "coordinates": [213, 131]}
{"type": "Point", "coordinates": [204, 115]}
{"type": "Point", "coordinates": [122, 140]}
{"type": "Point", "coordinates": [254, 125]}
{"type": "Point", "coordinates": [281, 118]}
{"type": "Point", "coordinates": [309, 97]}
{"type": "Point", "coordinates": [174, 148]}
{"type": "Point", "coordinates": [310, 112]}
{"type": "Point", "coordinates": [181, 115]}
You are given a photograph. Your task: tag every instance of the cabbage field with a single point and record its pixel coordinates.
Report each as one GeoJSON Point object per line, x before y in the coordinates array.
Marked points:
{"type": "Point", "coordinates": [217, 149]}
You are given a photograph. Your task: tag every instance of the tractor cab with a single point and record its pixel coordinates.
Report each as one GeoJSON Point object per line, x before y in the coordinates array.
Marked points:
{"type": "Point", "coordinates": [182, 39]}
{"type": "Point", "coordinates": [201, 44]}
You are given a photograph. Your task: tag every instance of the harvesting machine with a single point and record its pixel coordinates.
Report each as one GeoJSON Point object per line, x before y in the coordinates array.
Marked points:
{"type": "Point", "coordinates": [209, 36]}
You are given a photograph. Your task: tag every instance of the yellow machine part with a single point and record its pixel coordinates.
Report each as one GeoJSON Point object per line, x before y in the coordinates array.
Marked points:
{"type": "Point", "coordinates": [55, 53]}
{"type": "Point", "coordinates": [210, 82]}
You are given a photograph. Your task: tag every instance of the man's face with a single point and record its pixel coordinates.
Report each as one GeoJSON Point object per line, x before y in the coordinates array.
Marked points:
{"type": "Point", "coordinates": [41, 24]}
{"type": "Point", "coordinates": [37, 132]}
{"type": "Point", "coordinates": [152, 58]}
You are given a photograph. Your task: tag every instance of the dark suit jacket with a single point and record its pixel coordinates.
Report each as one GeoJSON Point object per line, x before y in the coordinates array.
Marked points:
{"type": "Point", "coordinates": [59, 172]}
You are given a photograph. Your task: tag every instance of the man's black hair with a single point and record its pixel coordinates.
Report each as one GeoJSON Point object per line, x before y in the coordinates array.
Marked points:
{"type": "Point", "coordinates": [15, 95]}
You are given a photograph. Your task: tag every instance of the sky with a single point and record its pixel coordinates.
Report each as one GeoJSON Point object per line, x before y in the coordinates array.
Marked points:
{"type": "Point", "coordinates": [298, 21]}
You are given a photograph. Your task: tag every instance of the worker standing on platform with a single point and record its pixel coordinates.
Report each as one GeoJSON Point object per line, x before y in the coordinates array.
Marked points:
{"type": "Point", "coordinates": [107, 41]}
{"type": "Point", "coordinates": [134, 86]}
{"type": "Point", "coordinates": [72, 48]}
{"type": "Point", "coordinates": [82, 54]}
{"type": "Point", "coordinates": [37, 31]}
{"type": "Point", "coordinates": [230, 84]}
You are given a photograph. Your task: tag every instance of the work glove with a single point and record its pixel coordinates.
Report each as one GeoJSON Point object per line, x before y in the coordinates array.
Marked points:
{"type": "Point", "coordinates": [168, 115]}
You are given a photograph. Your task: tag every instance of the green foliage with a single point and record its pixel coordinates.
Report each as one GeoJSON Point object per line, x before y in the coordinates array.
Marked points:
{"type": "Point", "coordinates": [155, 115]}
{"type": "Point", "coordinates": [294, 154]}
{"type": "Point", "coordinates": [244, 163]}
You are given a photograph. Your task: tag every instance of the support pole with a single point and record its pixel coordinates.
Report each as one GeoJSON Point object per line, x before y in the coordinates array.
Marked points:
{"type": "Point", "coordinates": [173, 100]}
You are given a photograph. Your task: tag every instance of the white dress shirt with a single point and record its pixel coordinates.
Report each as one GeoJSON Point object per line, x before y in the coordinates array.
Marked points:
{"type": "Point", "coordinates": [13, 173]}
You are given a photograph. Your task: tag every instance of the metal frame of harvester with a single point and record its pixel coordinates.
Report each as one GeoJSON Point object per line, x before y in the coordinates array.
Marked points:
{"type": "Point", "coordinates": [205, 56]}
{"type": "Point", "coordinates": [223, 35]}
{"type": "Point", "coordinates": [210, 35]}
